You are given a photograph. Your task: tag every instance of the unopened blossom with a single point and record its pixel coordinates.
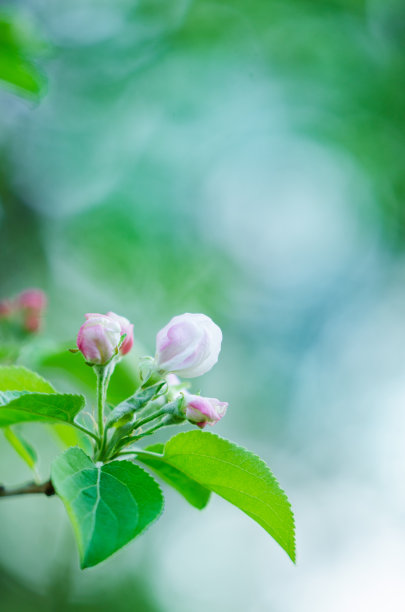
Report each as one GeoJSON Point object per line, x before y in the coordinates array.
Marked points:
{"type": "Point", "coordinates": [173, 380]}
{"type": "Point", "coordinates": [188, 345]}
{"type": "Point", "coordinates": [98, 338]}
{"type": "Point", "coordinates": [32, 303]}
{"type": "Point", "coordinates": [203, 410]}
{"type": "Point", "coordinates": [127, 328]}
{"type": "Point", "coordinates": [32, 299]}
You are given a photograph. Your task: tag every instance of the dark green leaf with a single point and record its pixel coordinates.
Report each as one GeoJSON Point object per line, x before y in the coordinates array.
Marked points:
{"type": "Point", "coordinates": [108, 505]}
{"type": "Point", "coordinates": [193, 492]}
{"type": "Point", "coordinates": [238, 476]}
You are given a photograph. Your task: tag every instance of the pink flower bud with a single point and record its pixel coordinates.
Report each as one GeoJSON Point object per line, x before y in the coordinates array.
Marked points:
{"type": "Point", "coordinates": [188, 345]}
{"type": "Point", "coordinates": [98, 338]}
{"type": "Point", "coordinates": [126, 328]}
{"type": "Point", "coordinates": [32, 303]}
{"type": "Point", "coordinates": [32, 299]}
{"type": "Point", "coordinates": [204, 410]}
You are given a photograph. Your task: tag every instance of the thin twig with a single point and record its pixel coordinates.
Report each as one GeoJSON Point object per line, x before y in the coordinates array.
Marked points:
{"type": "Point", "coordinates": [31, 487]}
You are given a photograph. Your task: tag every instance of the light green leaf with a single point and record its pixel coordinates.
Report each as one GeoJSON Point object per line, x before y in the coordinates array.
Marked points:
{"type": "Point", "coordinates": [18, 378]}
{"type": "Point", "coordinates": [108, 505]}
{"type": "Point", "coordinates": [23, 406]}
{"type": "Point", "coordinates": [21, 446]}
{"type": "Point", "coordinates": [191, 490]}
{"type": "Point", "coordinates": [238, 476]}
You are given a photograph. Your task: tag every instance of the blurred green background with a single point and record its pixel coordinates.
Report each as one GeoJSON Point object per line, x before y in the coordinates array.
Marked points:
{"type": "Point", "coordinates": [245, 160]}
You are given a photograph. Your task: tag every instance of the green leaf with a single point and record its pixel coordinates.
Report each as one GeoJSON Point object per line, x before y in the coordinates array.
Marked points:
{"type": "Point", "coordinates": [191, 490]}
{"type": "Point", "coordinates": [18, 378]}
{"type": "Point", "coordinates": [23, 406]}
{"type": "Point", "coordinates": [21, 446]}
{"type": "Point", "coordinates": [22, 75]}
{"type": "Point", "coordinates": [108, 505]}
{"type": "Point", "coordinates": [238, 476]}
{"type": "Point", "coordinates": [18, 48]}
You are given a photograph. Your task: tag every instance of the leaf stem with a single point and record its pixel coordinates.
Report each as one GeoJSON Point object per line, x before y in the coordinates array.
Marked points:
{"type": "Point", "coordinates": [164, 422]}
{"type": "Point", "coordinates": [87, 431]}
{"type": "Point", "coordinates": [149, 418]}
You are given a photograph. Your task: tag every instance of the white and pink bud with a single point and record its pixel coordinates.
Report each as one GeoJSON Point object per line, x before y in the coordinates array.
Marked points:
{"type": "Point", "coordinates": [173, 380]}
{"type": "Point", "coordinates": [98, 338]}
{"type": "Point", "coordinates": [188, 345]}
{"type": "Point", "coordinates": [203, 410]}
{"type": "Point", "coordinates": [127, 328]}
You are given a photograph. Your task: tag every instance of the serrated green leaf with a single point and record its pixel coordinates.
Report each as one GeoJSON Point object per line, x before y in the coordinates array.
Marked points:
{"type": "Point", "coordinates": [23, 406]}
{"type": "Point", "coordinates": [108, 505]}
{"type": "Point", "coordinates": [197, 495]}
{"type": "Point", "coordinates": [22, 448]}
{"type": "Point", "coordinates": [238, 476]}
{"type": "Point", "coordinates": [18, 378]}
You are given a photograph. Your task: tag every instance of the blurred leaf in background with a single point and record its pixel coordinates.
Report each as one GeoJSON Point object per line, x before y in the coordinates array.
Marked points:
{"type": "Point", "coordinates": [20, 47]}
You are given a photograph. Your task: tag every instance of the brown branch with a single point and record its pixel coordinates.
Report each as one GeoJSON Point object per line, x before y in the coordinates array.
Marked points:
{"type": "Point", "coordinates": [30, 487]}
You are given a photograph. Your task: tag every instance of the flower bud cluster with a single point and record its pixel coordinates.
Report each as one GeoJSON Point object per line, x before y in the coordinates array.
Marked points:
{"type": "Point", "coordinates": [187, 346]}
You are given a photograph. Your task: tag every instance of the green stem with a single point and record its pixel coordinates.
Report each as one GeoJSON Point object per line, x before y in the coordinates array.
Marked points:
{"type": "Point", "coordinates": [167, 420]}
{"type": "Point", "coordinates": [100, 401]}
{"type": "Point", "coordinates": [103, 373]}
{"type": "Point", "coordinates": [149, 418]}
